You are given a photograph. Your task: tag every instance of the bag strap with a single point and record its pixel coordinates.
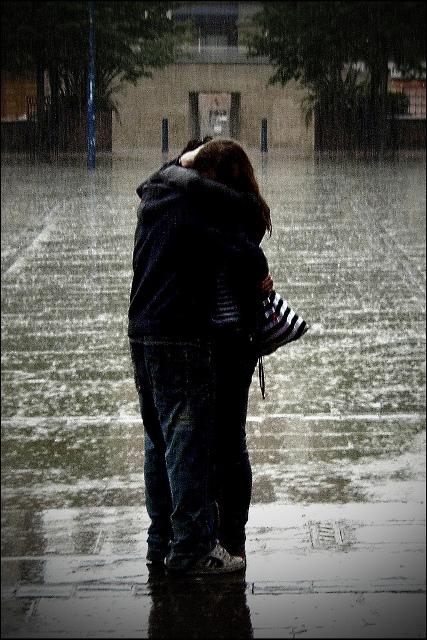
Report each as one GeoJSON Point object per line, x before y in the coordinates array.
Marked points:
{"type": "Point", "coordinates": [261, 376]}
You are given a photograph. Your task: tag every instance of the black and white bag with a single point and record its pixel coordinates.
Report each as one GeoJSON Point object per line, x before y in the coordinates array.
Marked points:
{"type": "Point", "coordinates": [278, 324]}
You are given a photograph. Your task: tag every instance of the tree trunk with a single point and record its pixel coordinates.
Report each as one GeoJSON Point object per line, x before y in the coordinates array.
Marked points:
{"type": "Point", "coordinates": [378, 106]}
{"type": "Point", "coordinates": [383, 111]}
{"type": "Point", "coordinates": [40, 87]}
{"type": "Point", "coordinates": [54, 109]}
{"type": "Point", "coordinates": [40, 138]}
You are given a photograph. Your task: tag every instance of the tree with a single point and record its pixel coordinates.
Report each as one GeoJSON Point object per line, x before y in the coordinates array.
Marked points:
{"type": "Point", "coordinates": [321, 44]}
{"type": "Point", "coordinates": [131, 38]}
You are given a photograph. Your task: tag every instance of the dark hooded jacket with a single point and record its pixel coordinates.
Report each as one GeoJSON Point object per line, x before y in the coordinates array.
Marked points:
{"type": "Point", "coordinates": [188, 228]}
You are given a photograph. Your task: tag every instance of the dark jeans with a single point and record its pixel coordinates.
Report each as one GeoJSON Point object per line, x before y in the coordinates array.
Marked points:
{"type": "Point", "coordinates": [234, 363]}
{"type": "Point", "coordinates": [193, 398]}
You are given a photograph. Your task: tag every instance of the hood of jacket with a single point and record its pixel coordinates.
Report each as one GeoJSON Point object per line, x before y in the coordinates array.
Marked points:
{"type": "Point", "coordinates": [172, 182]}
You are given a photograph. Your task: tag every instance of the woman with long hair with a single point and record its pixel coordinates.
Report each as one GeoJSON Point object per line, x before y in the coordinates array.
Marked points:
{"type": "Point", "coordinates": [225, 161]}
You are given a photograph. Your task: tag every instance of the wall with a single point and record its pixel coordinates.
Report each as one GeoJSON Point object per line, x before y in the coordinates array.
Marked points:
{"type": "Point", "coordinates": [143, 106]}
{"type": "Point", "coordinates": [23, 137]}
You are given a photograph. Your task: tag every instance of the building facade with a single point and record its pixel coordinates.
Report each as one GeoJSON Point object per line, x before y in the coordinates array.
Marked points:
{"type": "Point", "coordinates": [213, 89]}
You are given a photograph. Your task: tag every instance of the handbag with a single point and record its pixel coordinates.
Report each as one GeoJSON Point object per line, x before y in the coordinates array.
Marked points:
{"type": "Point", "coordinates": [278, 324]}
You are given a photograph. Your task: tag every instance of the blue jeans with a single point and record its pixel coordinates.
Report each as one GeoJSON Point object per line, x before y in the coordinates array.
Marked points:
{"type": "Point", "coordinates": [193, 396]}
{"type": "Point", "coordinates": [176, 389]}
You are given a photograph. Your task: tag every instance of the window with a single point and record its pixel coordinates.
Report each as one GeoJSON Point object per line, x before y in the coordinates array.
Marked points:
{"type": "Point", "coordinates": [416, 92]}
{"type": "Point", "coordinates": [217, 31]}
{"type": "Point", "coordinates": [417, 101]}
{"type": "Point", "coordinates": [215, 23]}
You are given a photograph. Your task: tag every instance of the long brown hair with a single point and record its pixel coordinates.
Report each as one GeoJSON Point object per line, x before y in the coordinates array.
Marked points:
{"type": "Point", "coordinates": [231, 166]}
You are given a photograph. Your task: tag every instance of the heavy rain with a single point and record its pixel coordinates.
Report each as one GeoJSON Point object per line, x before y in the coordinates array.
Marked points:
{"type": "Point", "coordinates": [336, 531]}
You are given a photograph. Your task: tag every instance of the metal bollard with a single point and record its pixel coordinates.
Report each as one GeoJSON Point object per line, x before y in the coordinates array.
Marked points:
{"type": "Point", "coordinates": [264, 145]}
{"type": "Point", "coordinates": [165, 135]}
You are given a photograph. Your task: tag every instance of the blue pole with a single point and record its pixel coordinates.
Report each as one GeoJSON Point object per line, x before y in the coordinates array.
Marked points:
{"type": "Point", "coordinates": [165, 135]}
{"type": "Point", "coordinates": [264, 145]}
{"type": "Point", "coordinates": [91, 141]}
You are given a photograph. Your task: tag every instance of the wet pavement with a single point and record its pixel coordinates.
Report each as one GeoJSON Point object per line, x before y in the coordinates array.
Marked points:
{"type": "Point", "coordinates": [336, 536]}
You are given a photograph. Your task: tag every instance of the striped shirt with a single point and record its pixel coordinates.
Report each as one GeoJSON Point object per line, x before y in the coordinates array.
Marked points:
{"type": "Point", "coordinates": [226, 311]}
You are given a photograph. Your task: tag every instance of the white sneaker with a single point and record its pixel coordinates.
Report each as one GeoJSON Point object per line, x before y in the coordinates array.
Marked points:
{"type": "Point", "coordinates": [217, 561]}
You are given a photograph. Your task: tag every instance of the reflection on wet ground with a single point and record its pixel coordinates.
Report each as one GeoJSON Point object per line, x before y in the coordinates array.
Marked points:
{"type": "Point", "coordinates": [343, 422]}
{"type": "Point", "coordinates": [187, 608]}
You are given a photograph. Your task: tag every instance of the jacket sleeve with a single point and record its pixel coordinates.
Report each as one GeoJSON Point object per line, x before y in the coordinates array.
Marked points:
{"type": "Point", "coordinates": [245, 258]}
{"type": "Point", "coordinates": [154, 176]}
{"type": "Point", "coordinates": [190, 181]}
{"type": "Point", "coordinates": [215, 201]}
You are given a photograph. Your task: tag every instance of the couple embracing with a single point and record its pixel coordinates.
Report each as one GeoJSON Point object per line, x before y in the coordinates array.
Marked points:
{"type": "Point", "coordinates": [198, 273]}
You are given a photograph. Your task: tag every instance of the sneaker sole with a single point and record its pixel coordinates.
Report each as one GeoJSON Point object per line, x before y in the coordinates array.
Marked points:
{"type": "Point", "coordinates": [214, 570]}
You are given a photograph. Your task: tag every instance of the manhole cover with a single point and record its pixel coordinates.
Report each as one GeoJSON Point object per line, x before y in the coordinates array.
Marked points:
{"type": "Point", "coordinates": [325, 534]}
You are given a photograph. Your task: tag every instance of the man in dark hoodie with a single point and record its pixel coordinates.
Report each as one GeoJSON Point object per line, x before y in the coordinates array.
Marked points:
{"type": "Point", "coordinates": [188, 228]}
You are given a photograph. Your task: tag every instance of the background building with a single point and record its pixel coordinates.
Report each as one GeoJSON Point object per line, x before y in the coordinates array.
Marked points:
{"type": "Point", "coordinates": [213, 89]}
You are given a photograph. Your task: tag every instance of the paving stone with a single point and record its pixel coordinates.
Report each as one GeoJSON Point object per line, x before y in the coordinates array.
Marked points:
{"type": "Point", "coordinates": [44, 591]}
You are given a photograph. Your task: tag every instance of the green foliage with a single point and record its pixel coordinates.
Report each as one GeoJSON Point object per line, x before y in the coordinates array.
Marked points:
{"type": "Point", "coordinates": [320, 43]}
{"type": "Point", "coordinates": [397, 103]}
{"type": "Point", "coordinates": [131, 39]}
{"type": "Point", "coordinates": [351, 96]}
{"type": "Point", "coordinates": [338, 92]}
{"type": "Point", "coordinates": [302, 39]}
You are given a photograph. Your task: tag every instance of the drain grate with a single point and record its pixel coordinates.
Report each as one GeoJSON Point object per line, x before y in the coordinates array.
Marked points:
{"type": "Point", "coordinates": [325, 535]}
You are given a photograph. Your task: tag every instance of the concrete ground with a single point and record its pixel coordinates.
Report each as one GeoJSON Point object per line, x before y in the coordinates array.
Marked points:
{"type": "Point", "coordinates": [336, 535]}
